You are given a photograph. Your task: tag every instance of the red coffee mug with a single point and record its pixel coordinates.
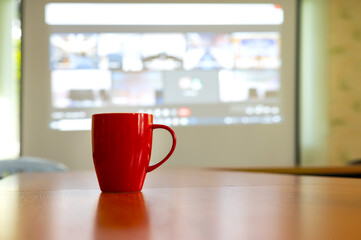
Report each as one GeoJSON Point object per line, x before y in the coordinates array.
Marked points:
{"type": "Point", "coordinates": [122, 145]}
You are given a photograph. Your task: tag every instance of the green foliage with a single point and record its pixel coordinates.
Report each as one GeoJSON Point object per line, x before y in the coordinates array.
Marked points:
{"type": "Point", "coordinates": [337, 50]}
{"type": "Point", "coordinates": [17, 58]}
{"type": "Point", "coordinates": [337, 122]}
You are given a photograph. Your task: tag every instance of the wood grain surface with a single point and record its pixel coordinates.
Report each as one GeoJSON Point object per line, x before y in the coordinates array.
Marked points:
{"type": "Point", "coordinates": [334, 171]}
{"type": "Point", "coordinates": [181, 204]}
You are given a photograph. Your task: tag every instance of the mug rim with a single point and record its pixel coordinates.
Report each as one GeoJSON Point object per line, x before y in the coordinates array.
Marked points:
{"type": "Point", "coordinates": [117, 113]}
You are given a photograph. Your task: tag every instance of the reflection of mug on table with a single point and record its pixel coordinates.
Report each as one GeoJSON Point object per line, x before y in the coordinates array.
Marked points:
{"type": "Point", "coordinates": [122, 145]}
{"type": "Point", "coordinates": [121, 216]}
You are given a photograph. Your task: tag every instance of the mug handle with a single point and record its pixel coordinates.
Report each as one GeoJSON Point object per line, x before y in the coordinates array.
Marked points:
{"type": "Point", "coordinates": [155, 126]}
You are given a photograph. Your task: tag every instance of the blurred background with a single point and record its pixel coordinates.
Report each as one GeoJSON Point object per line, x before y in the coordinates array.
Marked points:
{"type": "Point", "coordinates": [327, 129]}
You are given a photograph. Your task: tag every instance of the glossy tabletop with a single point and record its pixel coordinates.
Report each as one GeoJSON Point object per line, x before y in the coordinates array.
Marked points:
{"type": "Point", "coordinates": [181, 204]}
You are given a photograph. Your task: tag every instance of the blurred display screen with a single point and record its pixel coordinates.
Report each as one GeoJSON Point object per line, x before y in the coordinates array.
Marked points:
{"type": "Point", "coordinates": [182, 78]}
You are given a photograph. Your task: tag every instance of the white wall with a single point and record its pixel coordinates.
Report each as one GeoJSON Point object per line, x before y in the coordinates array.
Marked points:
{"type": "Point", "coordinates": [9, 111]}
{"type": "Point", "coordinates": [220, 146]}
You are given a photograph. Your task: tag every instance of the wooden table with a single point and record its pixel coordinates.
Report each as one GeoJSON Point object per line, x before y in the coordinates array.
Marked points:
{"type": "Point", "coordinates": [334, 171]}
{"type": "Point", "coordinates": [181, 204]}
